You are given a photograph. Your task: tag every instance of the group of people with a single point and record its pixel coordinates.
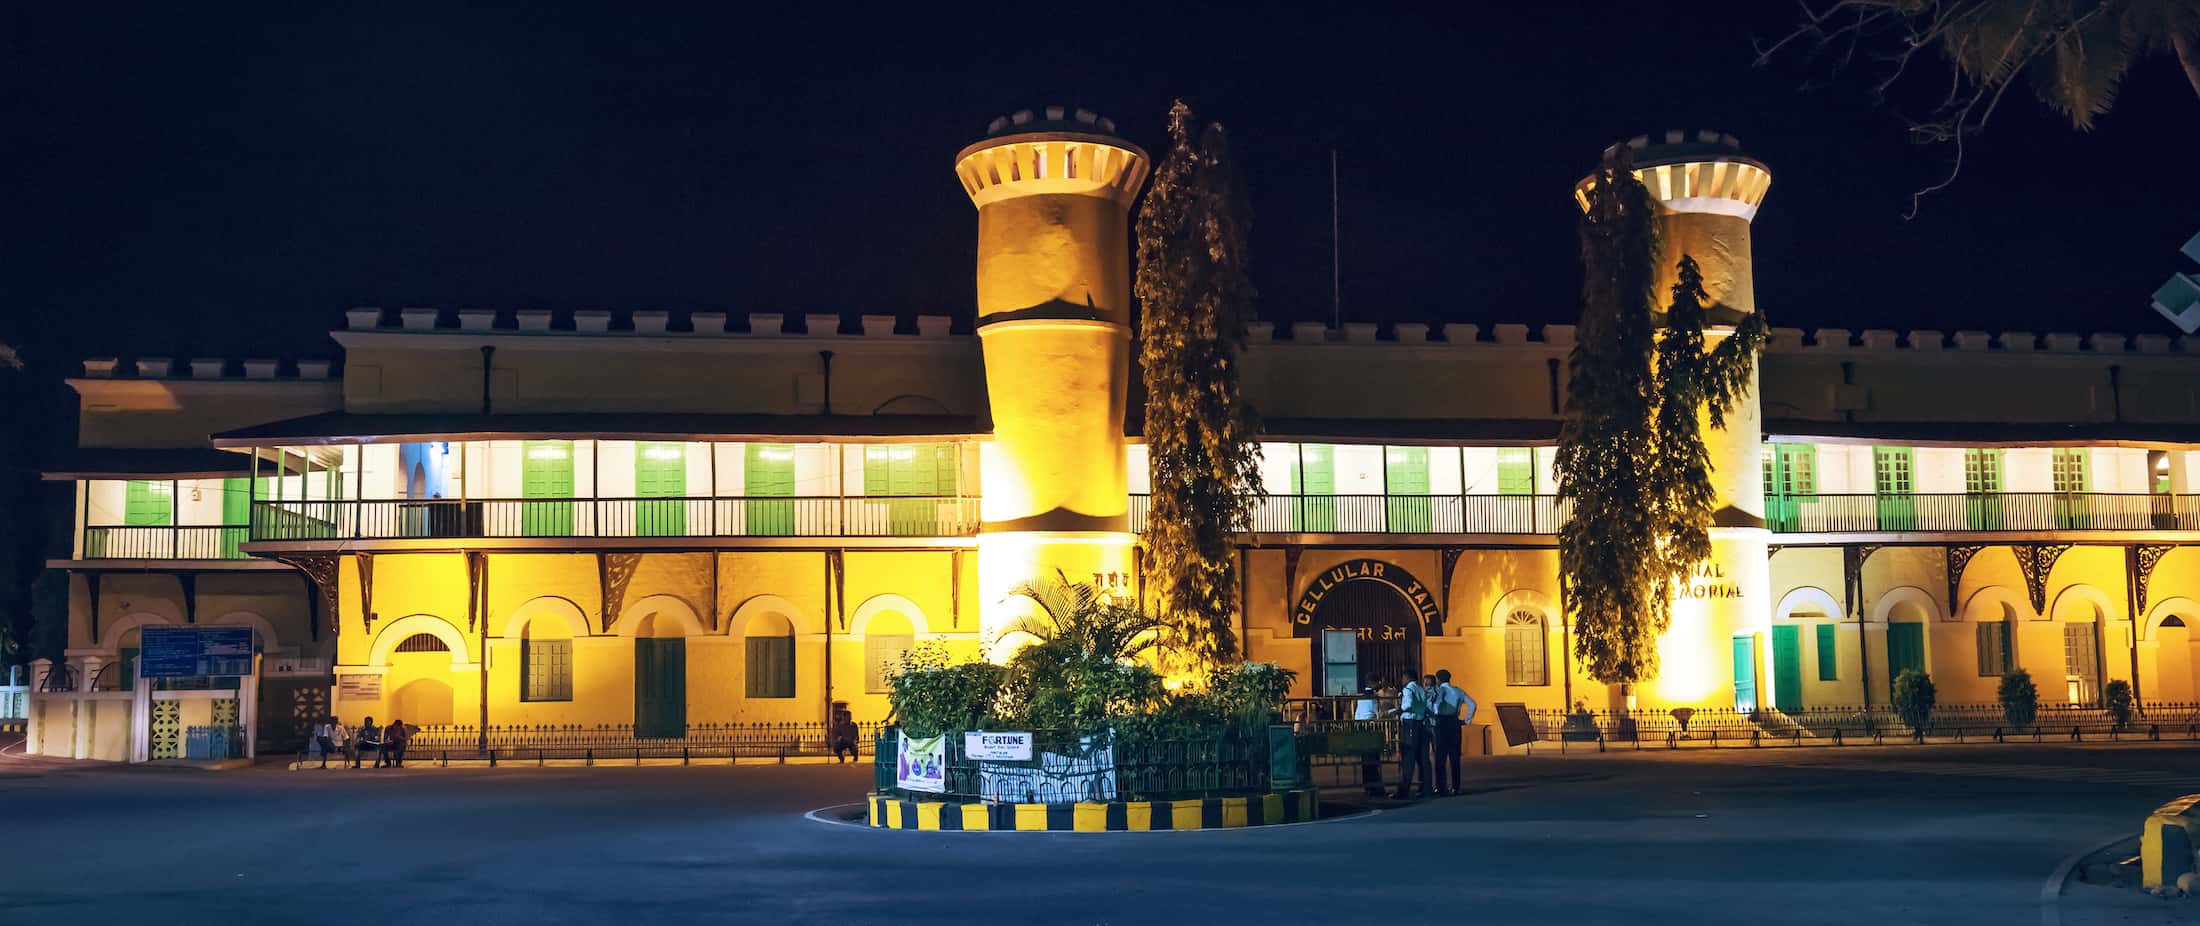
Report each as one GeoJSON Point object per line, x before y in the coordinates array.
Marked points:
{"type": "Point", "coordinates": [1431, 713]}
{"type": "Point", "coordinates": [386, 743]}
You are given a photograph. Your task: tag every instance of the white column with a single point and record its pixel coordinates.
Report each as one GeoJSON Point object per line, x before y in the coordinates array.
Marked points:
{"type": "Point", "coordinates": [141, 721]}
{"type": "Point", "coordinates": [248, 704]}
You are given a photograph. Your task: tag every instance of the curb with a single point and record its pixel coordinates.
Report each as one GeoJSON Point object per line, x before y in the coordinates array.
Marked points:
{"type": "Point", "coordinates": [1112, 817]}
{"type": "Point", "coordinates": [428, 762]}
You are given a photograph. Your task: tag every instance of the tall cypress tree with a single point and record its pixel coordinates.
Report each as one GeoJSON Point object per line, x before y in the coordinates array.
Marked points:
{"type": "Point", "coordinates": [1631, 457]}
{"type": "Point", "coordinates": [1200, 433]}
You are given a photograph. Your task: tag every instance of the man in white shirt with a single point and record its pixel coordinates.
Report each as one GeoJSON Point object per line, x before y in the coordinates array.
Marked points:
{"type": "Point", "coordinates": [1414, 710]}
{"type": "Point", "coordinates": [1453, 710]}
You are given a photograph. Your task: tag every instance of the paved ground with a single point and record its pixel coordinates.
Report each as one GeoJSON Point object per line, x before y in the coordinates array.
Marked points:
{"type": "Point", "coordinates": [1886, 836]}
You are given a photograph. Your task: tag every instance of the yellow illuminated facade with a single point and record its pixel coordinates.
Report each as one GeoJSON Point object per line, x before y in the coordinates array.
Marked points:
{"type": "Point", "coordinates": [674, 527]}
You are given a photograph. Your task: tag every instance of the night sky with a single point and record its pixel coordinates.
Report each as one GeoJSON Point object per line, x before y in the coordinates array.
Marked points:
{"type": "Point", "coordinates": [182, 184]}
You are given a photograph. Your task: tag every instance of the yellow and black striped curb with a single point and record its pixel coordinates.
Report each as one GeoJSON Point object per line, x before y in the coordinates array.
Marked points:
{"type": "Point", "coordinates": [2166, 844]}
{"type": "Point", "coordinates": [1113, 817]}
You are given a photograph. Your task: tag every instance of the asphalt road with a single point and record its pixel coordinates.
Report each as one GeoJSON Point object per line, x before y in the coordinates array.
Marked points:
{"type": "Point", "coordinates": [1887, 836]}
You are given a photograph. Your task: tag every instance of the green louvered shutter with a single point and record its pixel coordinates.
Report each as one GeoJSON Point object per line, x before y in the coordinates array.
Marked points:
{"type": "Point", "coordinates": [1317, 488]}
{"type": "Point", "coordinates": [660, 471]}
{"type": "Point", "coordinates": [768, 473]}
{"type": "Point", "coordinates": [546, 472]}
{"type": "Point", "coordinates": [1405, 481]}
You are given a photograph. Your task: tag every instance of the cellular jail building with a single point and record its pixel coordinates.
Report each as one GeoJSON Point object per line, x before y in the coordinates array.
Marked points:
{"type": "Point", "coordinates": [664, 525]}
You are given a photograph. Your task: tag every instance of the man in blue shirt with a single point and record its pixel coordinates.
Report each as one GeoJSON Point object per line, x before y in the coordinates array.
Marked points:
{"type": "Point", "coordinates": [1415, 707]}
{"type": "Point", "coordinates": [1452, 708]}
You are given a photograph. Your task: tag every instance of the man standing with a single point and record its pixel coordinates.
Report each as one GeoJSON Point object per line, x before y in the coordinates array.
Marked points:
{"type": "Point", "coordinates": [1414, 710]}
{"type": "Point", "coordinates": [1453, 709]}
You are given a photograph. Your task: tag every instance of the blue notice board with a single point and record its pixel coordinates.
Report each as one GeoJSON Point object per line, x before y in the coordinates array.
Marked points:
{"type": "Point", "coordinates": [180, 652]}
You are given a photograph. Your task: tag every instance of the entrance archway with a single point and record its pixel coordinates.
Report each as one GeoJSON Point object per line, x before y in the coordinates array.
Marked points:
{"type": "Point", "coordinates": [1365, 633]}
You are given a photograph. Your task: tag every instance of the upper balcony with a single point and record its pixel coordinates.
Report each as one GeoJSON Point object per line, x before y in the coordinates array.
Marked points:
{"type": "Point", "coordinates": [654, 517]}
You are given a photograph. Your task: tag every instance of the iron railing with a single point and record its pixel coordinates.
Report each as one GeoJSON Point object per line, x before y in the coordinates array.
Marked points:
{"type": "Point", "coordinates": [1393, 514]}
{"type": "Point", "coordinates": [901, 516]}
{"type": "Point", "coordinates": [1065, 768]}
{"type": "Point", "coordinates": [2001, 511]}
{"type": "Point", "coordinates": [1542, 514]}
{"type": "Point", "coordinates": [1842, 725]}
{"type": "Point", "coordinates": [165, 542]}
{"type": "Point", "coordinates": [610, 743]}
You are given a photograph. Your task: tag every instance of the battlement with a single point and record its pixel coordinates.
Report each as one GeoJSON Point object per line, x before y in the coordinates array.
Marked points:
{"type": "Point", "coordinates": [1702, 171]}
{"type": "Point", "coordinates": [641, 323]}
{"type": "Point", "coordinates": [1783, 340]}
{"type": "Point", "coordinates": [1057, 151]}
{"type": "Point", "coordinates": [207, 369]}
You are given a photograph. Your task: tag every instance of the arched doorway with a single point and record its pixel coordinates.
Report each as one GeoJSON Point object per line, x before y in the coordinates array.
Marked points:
{"type": "Point", "coordinates": [1366, 633]}
{"type": "Point", "coordinates": [660, 675]}
{"type": "Point", "coordinates": [2176, 651]}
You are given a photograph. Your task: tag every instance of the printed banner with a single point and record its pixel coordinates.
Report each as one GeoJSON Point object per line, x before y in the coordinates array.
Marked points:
{"type": "Point", "coordinates": [921, 764]}
{"type": "Point", "coordinates": [1055, 778]}
{"type": "Point", "coordinates": [998, 747]}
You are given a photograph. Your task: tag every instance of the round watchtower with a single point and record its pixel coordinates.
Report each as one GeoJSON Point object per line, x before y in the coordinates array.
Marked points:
{"type": "Point", "coordinates": [1053, 191]}
{"type": "Point", "coordinates": [1708, 193]}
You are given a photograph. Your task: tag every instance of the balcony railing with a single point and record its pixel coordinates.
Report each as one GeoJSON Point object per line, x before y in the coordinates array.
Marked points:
{"type": "Point", "coordinates": [2006, 511]}
{"type": "Point", "coordinates": [186, 542]}
{"type": "Point", "coordinates": [1393, 514]}
{"type": "Point", "coordinates": [917, 516]}
{"type": "Point", "coordinates": [1542, 514]}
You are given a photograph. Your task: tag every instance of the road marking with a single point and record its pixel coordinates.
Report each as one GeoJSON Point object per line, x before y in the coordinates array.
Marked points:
{"type": "Point", "coordinates": [2056, 773]}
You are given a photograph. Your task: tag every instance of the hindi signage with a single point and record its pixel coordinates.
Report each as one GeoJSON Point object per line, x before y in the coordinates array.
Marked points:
{"type": "Point", "coordinates": [183, 652]}
{"type": "Point", "coordinates": [997, 747]}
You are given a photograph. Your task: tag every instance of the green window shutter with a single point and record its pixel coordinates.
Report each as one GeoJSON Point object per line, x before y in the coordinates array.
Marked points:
{"type": "Point", "coordinates": [882, 656]}
{"type": "Point", "coordinates": [1905, 650]}
{"type": "Point", "coordinates": [2070, 470]}
{"type": "Point", "coordinates": [1405, 480]}
{"type": "Point", "coordinates": [1317, 488]}
{"type": "Point", "coordinates": [660, 471]}
{"type": "Point", "coordinates": [1982, 483]}
{"type": "Point", "coordinates": [877, 469]}
{"type": "Point", "coordinates": [1791, 478]}
{"type": "Point", "coordinates": [546, 473]}
{"type": "Point", "coordinates": [1829, 654]}
{"type": "Point", "coordinates": [1745, 673]}
{"type": "Point", "coordinates": [126, 673]}
{"type": "Point", "coordinates": [770, 667]}
{"type": "Point", "coordinates": [947, 460]}
{"type": "Point", "coordinates": [767, 471]}
{"type": "Point", "coordinates": [1515, 471]}
{"type": "Point", "coordinates": [236, 515]}
{"type": "Point", "coordinates": [546, 670]}
{"type": "Point", "coordinates": [148, 503]}
{"type": "Point", "coordinates": [1993, 648]}
{"type": "Point", "coordinates": [1892, 469]}
{"type": "Point", "coordinates": [1787, 667]}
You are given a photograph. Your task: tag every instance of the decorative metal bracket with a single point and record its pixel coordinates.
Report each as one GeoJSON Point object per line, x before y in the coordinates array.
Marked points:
{"type": "Point", "coordinates": [321, 572]}
{"type": "Point", "coordinates": [366, 589]}
{"type": "Point", "coordinates": [1959, 559]}
{"type": "Point", "coordinates": [614, 572]}
{"type": "Point", "coordinates": [2037, 561]}
{"type": "Point", "coordinates": [189, 582]}
{"type": "Point", "coordinates": [1443, 578]}
{"type": "Point", "coordinates": [2145, 557]}
{"type": "Point", "coordinates": [1853, 558]}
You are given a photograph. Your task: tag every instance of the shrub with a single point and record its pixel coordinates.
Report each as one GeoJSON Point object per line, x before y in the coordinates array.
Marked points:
{"type": "Point", "coordinates": [1913, 699]}
{"type": "Point", "coordinates": [2117, 698]}
{"type": "Point", "coordinates": [931, 695]}
{"type": "Point", "coordinates": [2020, 699]}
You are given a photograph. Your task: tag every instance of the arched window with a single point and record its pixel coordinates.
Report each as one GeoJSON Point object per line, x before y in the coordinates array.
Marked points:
{"type": "Point", "coordinates": [770, 651]}
{"type": "Point", "coordinates": [423, 643]}
{"type": "Point", "coordinates": [1525, 656]}
{"type": "Point", "coordinates": [887, 639]}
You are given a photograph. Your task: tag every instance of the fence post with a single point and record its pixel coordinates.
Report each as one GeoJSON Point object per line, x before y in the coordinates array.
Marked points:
{"type": "Point", "coordinates": [492, 758]}
{"type": "Point", "coordinates": [2154, 732]}
{"type": "Point", "coordinates": [1600, 740]}
{"type": "Point", "coordinates": [1997, 734]}
{"type": "Point", "coordinates": [2076, 735]}
{"type": "Point", "coordinates": [1837, 736]}
{"type": "Point", "coordinates": [588, 755]}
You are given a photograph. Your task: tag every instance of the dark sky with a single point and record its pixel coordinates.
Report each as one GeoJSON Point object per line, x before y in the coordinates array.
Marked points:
{"type": "Point", "coordinates": [180, 183]}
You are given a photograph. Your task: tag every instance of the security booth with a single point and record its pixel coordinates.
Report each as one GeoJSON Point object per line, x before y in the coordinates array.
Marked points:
{"type": "Point", "coordinates": [197, 692]}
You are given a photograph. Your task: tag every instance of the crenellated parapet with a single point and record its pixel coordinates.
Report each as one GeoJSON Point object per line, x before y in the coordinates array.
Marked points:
{"type": "Point", "coordinates": [642, 323]}
{"type": "Point", "coordinates": [207, 369]}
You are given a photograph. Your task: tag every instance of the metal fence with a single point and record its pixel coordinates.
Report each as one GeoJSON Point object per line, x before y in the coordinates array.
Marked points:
{"type": "Point", "coordinates": [1846, 725]}
{"type": "Point", "coordinates": [213, 743]}
{"type": "Point", "coordinates": [1066, 768]}
{"type": "Point", "coordinates": [164, 542]}
{"type": "Point", "coordinates": [1393, 514]}
{"type": "Point", "coordinates": [614, 742]}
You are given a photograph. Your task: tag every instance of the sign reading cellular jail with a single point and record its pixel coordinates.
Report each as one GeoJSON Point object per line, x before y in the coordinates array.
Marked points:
{"type": "Point", "coordinates": [1367, 618]}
